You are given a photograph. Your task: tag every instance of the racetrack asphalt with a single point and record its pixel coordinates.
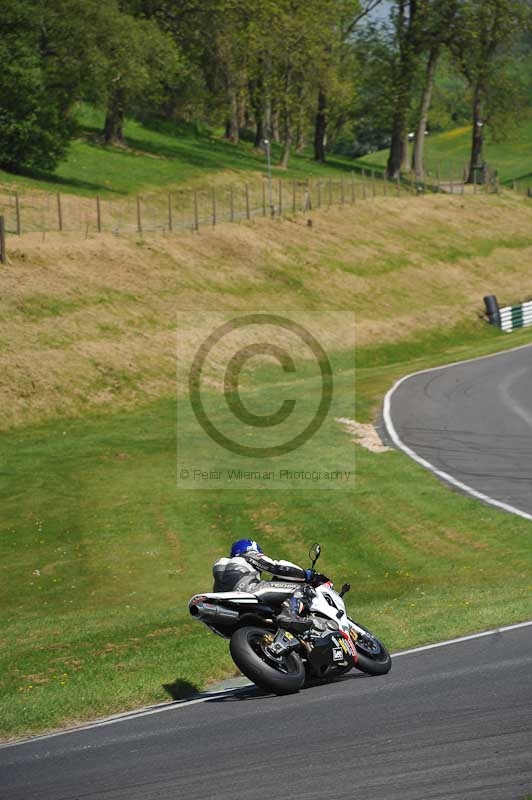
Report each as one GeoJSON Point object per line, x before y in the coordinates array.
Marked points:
{"type": "Point", "coordinates": [471, 421]}
{"type": "Point", "coordinates": [453, 722]}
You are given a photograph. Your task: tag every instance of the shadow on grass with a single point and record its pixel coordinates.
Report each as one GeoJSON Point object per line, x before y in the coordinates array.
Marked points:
{"type": "Point", "coordinates": [526, 176]}
{"type": "Point", "coordinates": [219, 155]}
{"type": "Point", "coordinates": [181, 689]}
{"type": "Point", "coordinates": [51, 178]}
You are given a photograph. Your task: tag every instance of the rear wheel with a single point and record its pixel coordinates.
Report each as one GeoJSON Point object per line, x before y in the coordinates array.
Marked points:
{"type": "Point", "coordinates": [284, 675]}
{"type": "Point", "coordinates": [373, 657]}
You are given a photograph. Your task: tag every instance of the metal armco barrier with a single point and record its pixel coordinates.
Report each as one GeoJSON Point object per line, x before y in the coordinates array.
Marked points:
{"type": "Point", "coordinates": [508, 318]}
{"type": "Point", "coordinates": [513, 317]}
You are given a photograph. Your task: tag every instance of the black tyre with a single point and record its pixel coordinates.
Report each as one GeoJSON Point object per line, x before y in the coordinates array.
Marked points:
{"type": "Point", "coordinates": [284, 675]}
{"type": "Point", "coordinates": [373, 657]}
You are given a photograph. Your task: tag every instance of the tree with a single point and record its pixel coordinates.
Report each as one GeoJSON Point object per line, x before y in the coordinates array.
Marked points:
{"type": "Point", "coordinates": [408, 20]}
{"type": "Point", "coordinates": [335, 85]}
{"type": "Point", "coordinates": [439, 30]}
{"type": "Point", "coordinates": [56, 53]}
{"type": "Point", "coordinates": [138, 63]}
{"type": "Point", "coordinates": [45, 50]}
{"type": "Point", "coordinates": [484, 30]}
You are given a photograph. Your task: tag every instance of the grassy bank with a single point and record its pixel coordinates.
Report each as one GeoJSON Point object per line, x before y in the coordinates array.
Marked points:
{"type": "Point", "coordinates": [165, 156]}
{"type": "Point", "coordinates": [448, 152]}
{"type": "Point", "coordinates": [100, 547]}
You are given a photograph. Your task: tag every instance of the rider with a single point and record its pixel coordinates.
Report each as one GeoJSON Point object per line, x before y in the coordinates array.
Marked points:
{"type": "Point", "coordinates": [241, 572]}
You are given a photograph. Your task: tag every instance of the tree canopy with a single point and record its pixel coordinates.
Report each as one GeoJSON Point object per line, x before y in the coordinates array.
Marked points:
{"type": "Point", "coordinates": [324, 73]}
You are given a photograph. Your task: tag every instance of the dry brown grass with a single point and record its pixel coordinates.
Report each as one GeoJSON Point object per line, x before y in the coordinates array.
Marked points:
{"type": "Point", "coordinates": [90, 324]}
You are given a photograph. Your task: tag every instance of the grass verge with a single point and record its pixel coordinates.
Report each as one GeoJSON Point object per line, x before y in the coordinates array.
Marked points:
{"type": "Point", "coordinates": [100, 549]}
{"type": "Point", "coordinates": [100, 552]}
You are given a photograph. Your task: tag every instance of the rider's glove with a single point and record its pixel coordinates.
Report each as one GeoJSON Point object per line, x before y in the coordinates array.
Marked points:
{"type": "Point", "coordinates": [309, 574]}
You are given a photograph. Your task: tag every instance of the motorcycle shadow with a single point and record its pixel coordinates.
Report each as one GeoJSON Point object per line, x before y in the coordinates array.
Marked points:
{"type": "Point", "coordinates": [253, 692]}
{"type": "Point", "coordinates": [181, 689]}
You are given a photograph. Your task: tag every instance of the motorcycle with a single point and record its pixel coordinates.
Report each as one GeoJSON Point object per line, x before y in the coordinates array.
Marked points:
{"type": "Point", "coordinates": [281, 654]}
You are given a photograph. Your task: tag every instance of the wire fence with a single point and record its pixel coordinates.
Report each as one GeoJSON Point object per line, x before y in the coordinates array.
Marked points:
{"type": "Point", "coordinates": [175, 210]}
{"type": "Point", "coordinates": [523, 186]}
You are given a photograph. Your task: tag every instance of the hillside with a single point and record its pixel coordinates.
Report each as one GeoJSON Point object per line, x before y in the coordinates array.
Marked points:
{"type": "Point", "coordinates": [450, 151]}
{"type": "Point", "coordinates": [80, 332]}
{"type": "Point", "coordinates": [100, 548]}
{"type": "Point", "coordinates": [163, 157]}
{"type": "Point", "coordinates": [186, 156]}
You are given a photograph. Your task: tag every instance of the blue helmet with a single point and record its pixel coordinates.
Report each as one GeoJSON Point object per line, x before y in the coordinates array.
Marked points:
{"type": "Point", "coordinates": [242, 546]}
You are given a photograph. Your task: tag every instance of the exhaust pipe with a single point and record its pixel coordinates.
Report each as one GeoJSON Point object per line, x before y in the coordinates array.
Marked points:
{"type": "Point", "coordinates": [211, 611]}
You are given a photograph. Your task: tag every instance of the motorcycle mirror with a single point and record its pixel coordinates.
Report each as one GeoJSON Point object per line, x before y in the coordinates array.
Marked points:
{"type": "Point", "coordinates": [314, 553]}
{"type": "Point", "coordinates": [345, 589]}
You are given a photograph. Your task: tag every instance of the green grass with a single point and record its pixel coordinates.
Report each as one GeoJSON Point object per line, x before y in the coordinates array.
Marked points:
{"type": "Point", "coordinates": [168, 156]}
{"type": "Point", "coordinates": [450, 151]}
{"type": "Point", "coordinates": [100, 549]}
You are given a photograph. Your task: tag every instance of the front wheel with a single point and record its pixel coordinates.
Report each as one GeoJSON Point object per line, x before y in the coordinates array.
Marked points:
{"type": "Point", "coordinates": [373, 657]}
{"type": "Point", "coordinates": [284, 675]}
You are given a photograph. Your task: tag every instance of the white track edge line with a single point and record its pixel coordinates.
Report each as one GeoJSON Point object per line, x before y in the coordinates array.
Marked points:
{"type": "Point", "coordinates": [186, 703]}
{"type": "Point", "coordinates": [462, 639]}
{"type": "Point", "coordinates": [445, 476]}
{"type": "Point", "coordinates": [124, 717]}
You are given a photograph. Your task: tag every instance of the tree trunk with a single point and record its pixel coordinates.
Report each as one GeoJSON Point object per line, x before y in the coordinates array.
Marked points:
{"type": "Point", "coordinates": [320, 128]}
{"type": "Point", "coordinates": [477, 142]}
{"type": "Point", "coordinates": [396, 156]}
{"type": "Point", "coordinates": [232, 130]}
{"type": "Point", "coordinates": [419, 142]}
{"type": "Point", "coordinates": [256, 99]}
{"type": "Point", "coordinates": [274, 122]}
{"type": "Point", "coordinates": [259, 131]}
{"type": "Point", "coordinates": [268, 118]}
{"type": "Point", "coordinates": [287, 141]}
{"type": "Point", "coordinates": [113, 131]}
{"type": "Point", "coordinates": [405, 163]}
{"type": "Point", "coordinates": [406, 37]}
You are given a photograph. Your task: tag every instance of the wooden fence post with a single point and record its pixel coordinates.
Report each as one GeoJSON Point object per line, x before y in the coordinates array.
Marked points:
{"type": "Point", "coordinates": [17, 212]}
{"type": "Point", "coordinates": [196, 220]}
{"type": "Point", "coordinates": [398, 184]}
{"type": "Point", "coordinates": [248, 213]}
{"type": "Point", "coordinates": [280, 198]}
{"type": "Point", "coordinates": [139, 216]}
{"type": "Point", "coordinates": [98, 214]}
{"type": "Point", "coordinates": [263, 199]}
{"type": "Point", "coordinates": [170, 217]}
{"type": "Point", "coordinates": [59, 212]}
{"type": "Point", "coordinates": [3, 256]}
